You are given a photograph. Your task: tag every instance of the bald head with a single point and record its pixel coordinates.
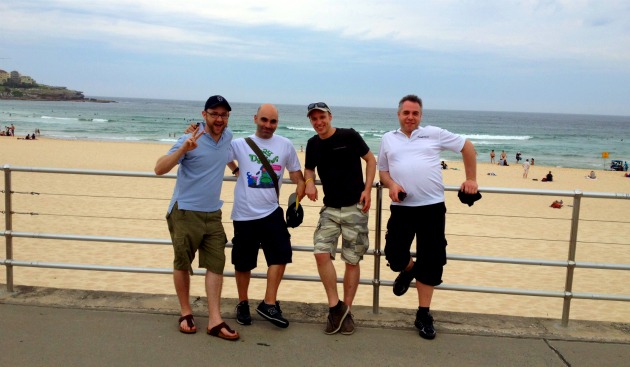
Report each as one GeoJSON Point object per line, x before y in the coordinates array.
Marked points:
{"type": "Point", "coordinates": [266, 120]}
{"type": "Point", "coordinates": [266, 107]}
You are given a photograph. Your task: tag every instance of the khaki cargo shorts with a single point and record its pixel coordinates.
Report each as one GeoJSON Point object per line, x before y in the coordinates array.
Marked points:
{"type": "Point", "coordinates": [351, 223]}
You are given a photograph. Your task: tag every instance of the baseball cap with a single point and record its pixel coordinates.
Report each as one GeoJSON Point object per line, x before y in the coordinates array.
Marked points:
{"type": "Point", "coordinates": [217, 100]}
{"type": "Point", "coordinates": [317, 106]}
{"type": "Point", "coordinates": [295, 212]}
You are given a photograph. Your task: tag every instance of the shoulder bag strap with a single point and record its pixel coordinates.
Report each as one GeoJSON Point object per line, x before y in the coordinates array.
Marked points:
{"type": "Point", "coordinates": [265, 163]}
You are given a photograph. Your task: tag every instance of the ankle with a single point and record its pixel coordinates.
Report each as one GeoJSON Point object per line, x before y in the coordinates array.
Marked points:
{"type": "Point", "coordinates": [336, 307]}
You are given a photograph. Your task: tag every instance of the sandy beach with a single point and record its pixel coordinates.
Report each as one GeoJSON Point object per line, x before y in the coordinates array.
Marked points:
{"type": "Point", "coordinates": [500, 225]}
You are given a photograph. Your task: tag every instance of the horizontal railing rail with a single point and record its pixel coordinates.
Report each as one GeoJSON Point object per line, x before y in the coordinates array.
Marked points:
{"type": "Point", "coordinates": [570, 264]}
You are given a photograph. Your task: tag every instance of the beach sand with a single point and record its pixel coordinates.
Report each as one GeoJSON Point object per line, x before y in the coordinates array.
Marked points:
{"type": "Point", "coordinates": [500, 225]}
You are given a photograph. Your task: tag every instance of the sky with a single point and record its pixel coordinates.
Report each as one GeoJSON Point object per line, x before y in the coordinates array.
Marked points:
{"type": "Point", "coordinates": [563, 56]}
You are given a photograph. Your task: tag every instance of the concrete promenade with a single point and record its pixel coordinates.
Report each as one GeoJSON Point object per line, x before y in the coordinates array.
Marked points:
{"type": "Point", "coordinates": [60, 327]}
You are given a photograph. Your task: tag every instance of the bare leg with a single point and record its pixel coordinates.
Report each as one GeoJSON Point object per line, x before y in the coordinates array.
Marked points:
{"type": "Point", "coordinates": [242, 284]}
{"type": "Point", "coordinates": [274, 277]}
{"type": "Point", "coordinates": [181, 279]}
{"type": "Point", "coordinates": [328, 275]}
{"type": "Point", "coordinates": [425, 294]}
{"type": "Point", "coordinates": [214, 284]}
{"type": "Point", "coordinates": [351, 283]}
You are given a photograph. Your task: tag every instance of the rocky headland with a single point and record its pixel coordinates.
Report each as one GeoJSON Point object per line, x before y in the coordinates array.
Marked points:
{"type": "Point", "coordinates": [21, 87]}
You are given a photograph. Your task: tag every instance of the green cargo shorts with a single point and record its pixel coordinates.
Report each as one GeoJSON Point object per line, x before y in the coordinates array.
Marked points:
{"type": "Point", "coordinates": [193, 231]}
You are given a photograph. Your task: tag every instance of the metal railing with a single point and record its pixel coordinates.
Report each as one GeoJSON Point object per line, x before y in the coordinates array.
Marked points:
{"type": "Point", "coordinates": [570, 264]}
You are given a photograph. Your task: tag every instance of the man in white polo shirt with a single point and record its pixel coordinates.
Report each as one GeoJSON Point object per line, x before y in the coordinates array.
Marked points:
{"type": "Point", "coordinates": [409, 166]}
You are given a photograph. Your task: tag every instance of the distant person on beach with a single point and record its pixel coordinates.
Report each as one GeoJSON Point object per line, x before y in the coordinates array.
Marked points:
{"type": "Point", "coordinates": [194, 213]}
{"type": "Point", "coordinates": [532, 161]}
{"type": "Point", "coordinates": [336, 153]}
{"type": "Point", "coordinates": [258, 219]}
{"type": "Point", "coordinates": [421, 196]}
{"type": "Point", "coordinates": [518, 157]}
{"type": "Point", "coordinates": [525, 168]}
{"type": "Point", "coordinates": [504, 157]}
{"type": "Point", "coordinates": [592, 175]}
{"type": "Point", "coordinates": [444, 165]}
{"type": "Point", "coordinates": [12, 129]}
{"type": "Point", "coordinates": [492, 156]}
{"type": "Point", "coordinates": [625, 166]}
{"type": "Point", "coordinates": [548, 177]}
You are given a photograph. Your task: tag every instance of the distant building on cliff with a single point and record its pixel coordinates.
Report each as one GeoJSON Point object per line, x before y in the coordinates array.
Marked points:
{"type": "Point", "coordinates": [14, 78]}
{"type": "Point", "coordinates": [4, 76]}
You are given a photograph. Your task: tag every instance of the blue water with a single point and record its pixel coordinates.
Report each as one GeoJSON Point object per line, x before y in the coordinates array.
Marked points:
{"type": "Point", "coordinates": [552, 139]}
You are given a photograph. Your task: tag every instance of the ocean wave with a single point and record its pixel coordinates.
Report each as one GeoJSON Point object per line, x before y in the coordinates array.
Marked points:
{"type": "Point", "coordinates": [72, 119]}
{"type": "Point", "coordinates": [296, 128]}
{"type": "Point", "coordinates": [59, 118]}
{"type": "Point", "coordinates": [371, 134]}
{"type": "Point", "coordinates": [496, 137]}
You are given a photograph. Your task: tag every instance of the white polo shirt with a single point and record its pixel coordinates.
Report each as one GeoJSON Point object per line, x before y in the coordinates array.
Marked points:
{"type": "Point", "coordinates": [414, 162]}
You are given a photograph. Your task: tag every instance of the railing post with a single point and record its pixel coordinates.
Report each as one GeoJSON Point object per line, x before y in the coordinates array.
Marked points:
{"type": "Point", "coordinates": [568, 287]}
{"type": "Point", "coordinates": [8, 223]}
{"type": "Point", "coordinates": [376, 282]}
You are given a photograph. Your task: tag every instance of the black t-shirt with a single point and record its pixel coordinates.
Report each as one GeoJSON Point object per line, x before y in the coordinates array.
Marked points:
{"type": "Point", "coordinates": [338, 163]}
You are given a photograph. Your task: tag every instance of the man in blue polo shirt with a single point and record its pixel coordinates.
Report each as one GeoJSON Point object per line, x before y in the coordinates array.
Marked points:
{"type": "Point", "coordinates": [194, 213]}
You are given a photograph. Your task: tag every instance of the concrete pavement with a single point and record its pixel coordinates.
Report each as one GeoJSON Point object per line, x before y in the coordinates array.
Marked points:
{"type": "Point", "coordinates": [60, 327]}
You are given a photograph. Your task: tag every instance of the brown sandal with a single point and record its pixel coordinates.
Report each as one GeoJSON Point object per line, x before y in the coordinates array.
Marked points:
{"type": "Point", "coordinates": [216, 331]}
{"type": "Point", "coordinates": [190, 321]}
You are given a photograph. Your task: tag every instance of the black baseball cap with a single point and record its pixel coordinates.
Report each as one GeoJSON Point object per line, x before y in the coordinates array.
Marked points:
{"type": "Point", "coordinates": [217, 100]}
{"type": "Point", "coordinates": [295, 212]}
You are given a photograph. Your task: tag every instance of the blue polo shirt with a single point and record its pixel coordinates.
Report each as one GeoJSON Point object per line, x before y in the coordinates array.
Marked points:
{"type": "Point", "coordinates": [200, 173]}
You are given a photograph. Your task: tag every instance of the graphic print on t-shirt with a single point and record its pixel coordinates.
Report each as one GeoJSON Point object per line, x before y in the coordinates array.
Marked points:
{"type": "Point", "coordinates": [261, 179]}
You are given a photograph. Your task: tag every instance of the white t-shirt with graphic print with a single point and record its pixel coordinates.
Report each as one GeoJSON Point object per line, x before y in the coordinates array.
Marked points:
{"type": "Point", "coordinates": [254, 194]}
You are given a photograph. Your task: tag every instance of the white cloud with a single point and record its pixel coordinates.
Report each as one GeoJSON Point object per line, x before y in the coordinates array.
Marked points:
{"type": "Point", "coordinates": [597, 30]}
{"type": "Point", "coordinates": [559, 55]}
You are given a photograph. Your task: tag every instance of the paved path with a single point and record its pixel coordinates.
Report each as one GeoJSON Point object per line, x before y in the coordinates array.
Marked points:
{"type": "Point", "coordinates": [80, 328]}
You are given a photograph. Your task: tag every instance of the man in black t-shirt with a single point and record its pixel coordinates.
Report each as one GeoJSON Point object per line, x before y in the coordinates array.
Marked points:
{"type": "Point", "coordinates": [337, 154]}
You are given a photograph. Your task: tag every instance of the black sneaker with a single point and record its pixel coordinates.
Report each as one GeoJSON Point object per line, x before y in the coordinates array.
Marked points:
{"type": "Point", "coordinates": [424, 323]}
{"type": "Point", "coordinates": [272, 313]}
{"type": "Point", "coordinates": [336, 318]}
{"type": "Point", "coordinates": [242, 313]}
{"type": "Point", "coordinates": [402, 282]}
{"type": "Point", "coordinates": [347, 326]}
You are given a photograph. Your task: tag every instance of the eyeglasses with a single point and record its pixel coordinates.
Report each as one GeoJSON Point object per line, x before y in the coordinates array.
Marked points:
{"type": "Point", "coordinates": [216, 115]}
{"type": "Point", "coordinates": [316, 105]}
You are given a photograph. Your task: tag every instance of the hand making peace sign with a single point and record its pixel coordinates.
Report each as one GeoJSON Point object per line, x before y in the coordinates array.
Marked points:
{"type": "Point", "coordinates": [191, 142]}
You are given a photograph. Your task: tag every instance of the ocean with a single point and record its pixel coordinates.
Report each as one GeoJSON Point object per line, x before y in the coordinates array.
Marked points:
{"type": "Point", "coordinates": [556, 140]}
